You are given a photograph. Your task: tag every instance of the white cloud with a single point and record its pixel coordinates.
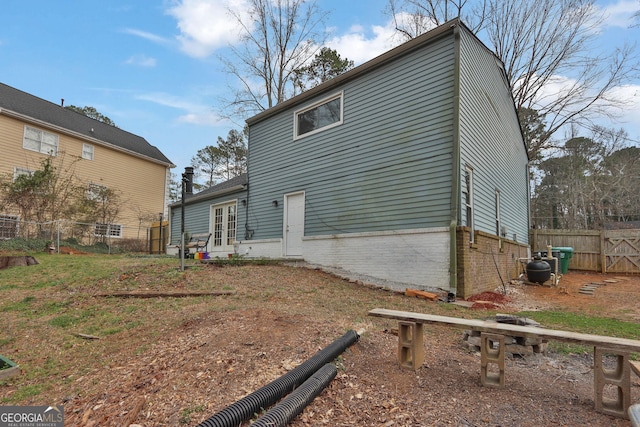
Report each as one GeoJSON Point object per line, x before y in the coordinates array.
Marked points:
{"type": "Point", "coordinates": [620, 14]}
{"type": "Point", "coordinates": [207, 25]}
{"type": "Point", "coordinates": [141, 61]}
{"type": "Point", "coordinates": [146, 35]}
{"type": "Point", "coordinates": [360, 44]}
{"type": "Point", "coordinates": [629, 116]}
{"type": "Point", "coordinates": [194, 112]}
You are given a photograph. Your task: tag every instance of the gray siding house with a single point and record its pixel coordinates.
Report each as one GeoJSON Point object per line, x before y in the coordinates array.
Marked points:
{"type": "Point", "coordinates": [410, 168]}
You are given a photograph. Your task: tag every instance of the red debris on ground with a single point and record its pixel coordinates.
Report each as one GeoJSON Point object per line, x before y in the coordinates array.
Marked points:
{"type": "Point", "coordinates": [488, 300]}
{"type": "Point", "coordinates": [490, 296]}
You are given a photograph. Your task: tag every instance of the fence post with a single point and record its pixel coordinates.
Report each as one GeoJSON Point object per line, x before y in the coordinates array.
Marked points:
{"type": "Point", "coordinates": [603, 252]}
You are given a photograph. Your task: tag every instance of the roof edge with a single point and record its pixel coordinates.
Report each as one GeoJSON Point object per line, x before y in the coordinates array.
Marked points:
{"type": "Point", "coordinates": [361, 69]}
{"type": "Point", "coordinates": [80, 136]}
{"type": "Point", "coordinates": [198, 197]}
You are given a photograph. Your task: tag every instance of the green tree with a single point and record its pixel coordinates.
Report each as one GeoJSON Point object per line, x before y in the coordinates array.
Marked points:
{"type": "Point", "coordinates": [91, 112]}
{"type": "Point", "coordinates": [593, 181]}
{"type": "Point", "coordinates": [224, 161]}
{"type": "Point", "coordinates": [48, 194]}
{"type": "Point", "coordinates": [326, 65]}
{"type": "Point", "coordinates": [534, 132]}
{"type": "Point", "coordinates": [207, 163]}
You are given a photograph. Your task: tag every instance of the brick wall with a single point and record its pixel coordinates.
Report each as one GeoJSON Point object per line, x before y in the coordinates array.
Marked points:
{"type": "Point", "coordinates": [487, 263]}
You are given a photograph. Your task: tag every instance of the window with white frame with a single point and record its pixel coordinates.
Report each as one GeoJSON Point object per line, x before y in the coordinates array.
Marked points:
{"type": "Point", "coordinates": [468, 200]}
{"type": "Point", "coordinates": [8, 226]}
{"type": "Point", "coordinates": [107, 230]}
{"type": "Point", "coordinates": [97, 192]}
{"type": "Point", "coordinates": [319, 116]}
{"type": "Point", "coordinates": [498, 225]}
{"type": "Point", "coordinates": [18, 171]}
{"type": "Point", "coordinates": [224, 225]}
{"type": "Point", "coordinates": [40, 141]}
{"type": "Point", "coordinates": [87, 151]}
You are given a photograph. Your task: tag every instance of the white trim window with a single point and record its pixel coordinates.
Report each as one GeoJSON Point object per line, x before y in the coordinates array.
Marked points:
{"type": "Point", "coordinates": [498, 224]}
{"type": "Point", "coordinates": [97, 192]}
{"type": "Point", "coordinates": [40, 141]}
{"type": "Point", "coordinates": [18, 171]}
{"type": "Point", "coordinates": [9, 226]}
{"type": "Point", "coordinates": [320, 116]}
{"type": "Point", "coordinates": [87, 151]}
{"type": "Point", "coordinates": [107, 230]}
{"type": "Point", "coordinates": [468, 201]}
{"type": "Point", "coordinates": [224, 224]}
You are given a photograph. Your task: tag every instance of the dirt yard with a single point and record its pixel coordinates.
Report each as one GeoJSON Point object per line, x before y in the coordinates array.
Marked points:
{"type": "Point", "coordinates": [206, 355]}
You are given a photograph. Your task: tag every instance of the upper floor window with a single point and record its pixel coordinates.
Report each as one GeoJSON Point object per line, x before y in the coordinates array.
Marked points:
{"type": "Point", "coordinates": [40, 141]}
{"type": "Point", "coordinates": [87, 151]}
{"type": "Point", "coordinates": [319, 116]}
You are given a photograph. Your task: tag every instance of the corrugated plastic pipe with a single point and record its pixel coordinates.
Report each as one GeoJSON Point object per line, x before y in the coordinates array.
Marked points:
{"type": "Point", "coordinates": [289, 407]}
{"type": "Point", "coordinates": [234, 414]}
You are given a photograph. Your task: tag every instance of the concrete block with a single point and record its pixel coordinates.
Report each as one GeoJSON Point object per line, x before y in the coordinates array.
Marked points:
{"type": "Point", "coordinates": [492, 351]}
{"type": "Point", "coordinates": [410, 345]}
{"type": "Point", "coordinates": [519, 349]}
{"type": "Point", "coordinates": [617, 378]}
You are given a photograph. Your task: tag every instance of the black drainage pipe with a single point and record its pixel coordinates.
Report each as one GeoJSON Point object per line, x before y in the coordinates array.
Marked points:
{"type": "Point", "coordinates": [288, 408]}
{"type": "Point", "coordinates": [234, 414]}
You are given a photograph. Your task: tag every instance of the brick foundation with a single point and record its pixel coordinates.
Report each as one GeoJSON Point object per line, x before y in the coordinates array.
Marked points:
{"type": "Point", "coordinates": [487, 263]}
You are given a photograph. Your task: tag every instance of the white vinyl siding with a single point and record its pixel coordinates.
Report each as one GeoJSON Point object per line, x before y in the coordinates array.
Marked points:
{"type": "Point", "coordinates": [40, 141]}
{"type": "Point", "coordinates": [320, 116]}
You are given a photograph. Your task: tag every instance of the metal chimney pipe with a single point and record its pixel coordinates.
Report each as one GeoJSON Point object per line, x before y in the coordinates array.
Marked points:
{"type": "Point", "coordinates": [188, 171]}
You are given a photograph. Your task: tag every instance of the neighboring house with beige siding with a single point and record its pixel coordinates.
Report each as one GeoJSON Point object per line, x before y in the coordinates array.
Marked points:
{"type": "Point", "coordinates": [101, 157]}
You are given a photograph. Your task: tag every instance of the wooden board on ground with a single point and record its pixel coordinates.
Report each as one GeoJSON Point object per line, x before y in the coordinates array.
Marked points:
{"type": "Point", "coordinates": [171, 294]}
{"type": "Point", "coordinates": [613, 343]}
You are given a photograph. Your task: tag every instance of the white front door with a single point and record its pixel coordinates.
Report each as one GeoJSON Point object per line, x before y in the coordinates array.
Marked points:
{"type": "Point", "coordinates": [293, 223]}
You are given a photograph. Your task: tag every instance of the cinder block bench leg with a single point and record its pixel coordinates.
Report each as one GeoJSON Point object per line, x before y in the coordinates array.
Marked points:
{"type": "Point", "coordinates": [619, 378]}
{"type": "Point", "coordinates": [410, 345]}
{"type": "Point", "coordinates": [491, 356]}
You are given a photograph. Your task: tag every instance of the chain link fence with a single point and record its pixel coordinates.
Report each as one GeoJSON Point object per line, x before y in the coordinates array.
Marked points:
{"type": "Point", "coordinates": [54, 235]}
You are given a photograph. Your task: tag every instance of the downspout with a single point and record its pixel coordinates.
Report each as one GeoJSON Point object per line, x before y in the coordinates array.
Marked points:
{"type": "Point", "coordinates": [455, 178]}
{"type": "Point", "coordinates": [247, 234]}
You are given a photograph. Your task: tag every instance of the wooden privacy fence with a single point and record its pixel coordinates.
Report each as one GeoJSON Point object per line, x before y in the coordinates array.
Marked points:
{"type": "Point", "coordinates": [606, 251]}
{"type": "Point", "coordinates": [158, 237]}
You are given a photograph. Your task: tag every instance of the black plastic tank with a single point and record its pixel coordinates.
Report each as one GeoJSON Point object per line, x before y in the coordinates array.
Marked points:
{"type": "Point", "coordinates": [538, 271]}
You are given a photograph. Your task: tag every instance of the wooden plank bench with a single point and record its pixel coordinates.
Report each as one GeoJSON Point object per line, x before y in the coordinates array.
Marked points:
{"type": "Point", "coordinates": [411, 351]}
{"type": "Point", "coordinates": [198, 241]}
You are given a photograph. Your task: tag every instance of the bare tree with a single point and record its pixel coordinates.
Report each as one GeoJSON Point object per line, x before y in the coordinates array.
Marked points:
{"type": "Point", "coordinates": [551, 46]}
{"type": "Point", "coordinates": [414, 17]}
{"type": "Point", "coordinates": [547, 51]}
{"type": "Point", "coordinates": [279, 37]}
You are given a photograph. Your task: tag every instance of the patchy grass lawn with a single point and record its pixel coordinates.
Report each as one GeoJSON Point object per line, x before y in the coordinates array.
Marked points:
{"type": "Point", "coordinates": [175, 361]}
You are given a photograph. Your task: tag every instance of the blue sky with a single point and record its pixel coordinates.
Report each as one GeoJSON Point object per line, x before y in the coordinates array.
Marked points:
{"type": "Point", "coordinates": [152, 66]}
